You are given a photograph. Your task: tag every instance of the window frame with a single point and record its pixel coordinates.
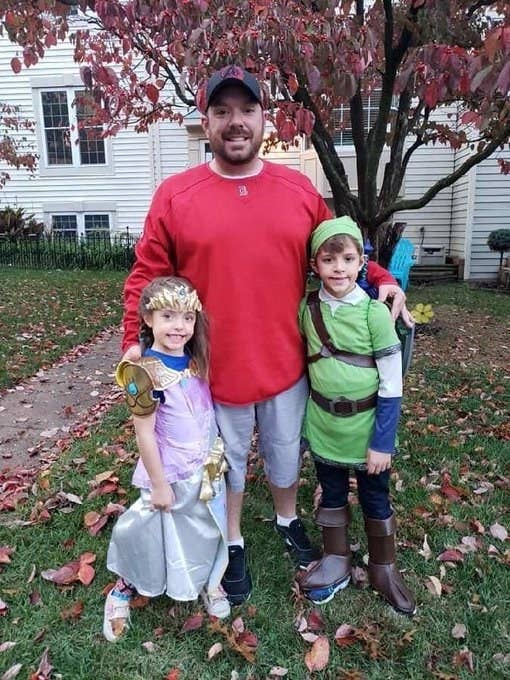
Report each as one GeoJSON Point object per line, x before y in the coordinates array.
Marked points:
{"type": "Point", "coordinates": [71, 85]}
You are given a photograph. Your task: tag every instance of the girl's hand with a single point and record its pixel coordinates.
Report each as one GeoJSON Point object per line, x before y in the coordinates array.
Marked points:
{"type": "Point", "coordinates": [162, 497]}
{"type": "Point", "coordinates": [377, 462]}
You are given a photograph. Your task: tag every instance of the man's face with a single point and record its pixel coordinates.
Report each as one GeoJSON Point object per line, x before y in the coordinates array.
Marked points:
{"type": "Point", "coordinates": [234, 124]}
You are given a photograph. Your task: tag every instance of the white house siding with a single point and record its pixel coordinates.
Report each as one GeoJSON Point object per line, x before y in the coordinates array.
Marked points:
{"type": "Point", "coordinates": [461, 212]}
{"type": "Point", "coordinates": [491, 210]}
{"type": "Point", "coordinates": [124, 191]}
{"type": "Point", "coordinates": [430, 225]}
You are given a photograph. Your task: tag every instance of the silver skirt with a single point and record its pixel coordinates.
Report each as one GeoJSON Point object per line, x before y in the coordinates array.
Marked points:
{"type": "Point", "coordinates": [178, 552]}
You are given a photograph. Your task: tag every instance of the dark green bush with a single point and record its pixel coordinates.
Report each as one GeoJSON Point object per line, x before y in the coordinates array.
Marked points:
{"type": "Point", "coordinates": [499, 240]}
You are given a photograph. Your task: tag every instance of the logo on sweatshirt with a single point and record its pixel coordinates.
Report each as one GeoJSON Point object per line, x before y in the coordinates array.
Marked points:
{"type": "Point", "coordinates": [243, 189]}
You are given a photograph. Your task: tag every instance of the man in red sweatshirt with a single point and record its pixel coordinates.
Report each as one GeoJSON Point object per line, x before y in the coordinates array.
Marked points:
{"type": "Point", "coordinates": [238, 229]}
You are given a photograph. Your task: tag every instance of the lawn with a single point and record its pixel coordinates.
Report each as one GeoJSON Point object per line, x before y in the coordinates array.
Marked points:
{"type": "Point", "coordinates": [43, 314]}
{"type": "Point", "coordinates": [451, 495]}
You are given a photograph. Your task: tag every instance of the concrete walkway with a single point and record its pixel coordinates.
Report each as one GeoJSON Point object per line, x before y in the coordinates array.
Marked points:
{"type": "Point", "coordinates": [45, 409]}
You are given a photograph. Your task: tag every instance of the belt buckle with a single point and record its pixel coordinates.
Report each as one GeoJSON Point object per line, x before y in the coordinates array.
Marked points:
{"type": "Point", "coordinates": [343, 400]}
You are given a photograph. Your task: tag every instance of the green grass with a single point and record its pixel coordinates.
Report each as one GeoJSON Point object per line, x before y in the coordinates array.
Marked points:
{"type": "Point", "coordinates": [44, 314]}
{"type": "Point", "coordinates": [453, 422]}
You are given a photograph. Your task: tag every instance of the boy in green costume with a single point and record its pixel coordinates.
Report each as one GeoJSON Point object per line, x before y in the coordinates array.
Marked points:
{"type": "Point", "coordinates": [355, 369]}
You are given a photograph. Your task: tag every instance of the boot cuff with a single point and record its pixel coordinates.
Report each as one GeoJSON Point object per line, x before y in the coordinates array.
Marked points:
{"type": "Point", "coordinates": [333, 517]}
{"type": "Point", "coordinates": [380, 527]}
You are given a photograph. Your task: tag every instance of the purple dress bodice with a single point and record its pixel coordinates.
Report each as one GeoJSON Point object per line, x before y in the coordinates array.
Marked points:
{"type": "Point", "coordinates": [184, 422]}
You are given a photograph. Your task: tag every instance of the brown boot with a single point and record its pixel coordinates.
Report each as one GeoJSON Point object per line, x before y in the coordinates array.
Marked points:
{"type": "Point", "coordinates": [383, 573]}
{"type": "Point", "coordinates": [335, 565]}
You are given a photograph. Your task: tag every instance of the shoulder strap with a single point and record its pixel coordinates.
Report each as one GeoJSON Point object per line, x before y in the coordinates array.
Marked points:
{"type": "Point", "coordinates": [328, 349]}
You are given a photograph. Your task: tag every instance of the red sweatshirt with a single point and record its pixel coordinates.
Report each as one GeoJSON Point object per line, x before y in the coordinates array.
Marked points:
{"type": "Point", "coordinates": [242, 242]}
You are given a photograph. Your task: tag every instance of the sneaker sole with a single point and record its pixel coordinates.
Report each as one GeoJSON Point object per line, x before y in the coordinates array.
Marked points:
{"type": "Point", "coordinates": [337, 588]}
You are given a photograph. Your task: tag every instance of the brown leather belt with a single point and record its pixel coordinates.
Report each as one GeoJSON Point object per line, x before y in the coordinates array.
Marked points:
{"type": "Point", "coordinates": [340, 406]}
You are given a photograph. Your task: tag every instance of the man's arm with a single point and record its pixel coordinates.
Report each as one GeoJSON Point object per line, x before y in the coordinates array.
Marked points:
{"type": "Point", "coordinates": [152, 259]}
{"type": "Point", "coordinates": [388, 288]}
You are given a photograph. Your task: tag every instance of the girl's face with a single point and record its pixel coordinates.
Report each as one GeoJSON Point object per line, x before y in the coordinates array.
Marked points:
{"type": "Point", "coordinates": [171, 330]}
{"type": "Point", "coordinates": [338, 271]}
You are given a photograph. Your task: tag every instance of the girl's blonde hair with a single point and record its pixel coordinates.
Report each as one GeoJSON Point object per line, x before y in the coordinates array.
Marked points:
{"type": "Point", "coordinates": [166, 288]}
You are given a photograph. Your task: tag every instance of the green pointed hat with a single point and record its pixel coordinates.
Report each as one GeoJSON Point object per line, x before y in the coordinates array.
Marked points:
{"type": "Point", "coordinates": [334, 227]}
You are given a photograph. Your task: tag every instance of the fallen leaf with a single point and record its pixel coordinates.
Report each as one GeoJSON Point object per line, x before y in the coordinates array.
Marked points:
{"type": "Point", "coordinates": [317, 657]}
{"type": "Point", "coordinates": [459, 631]}
{"type": "Point", "coordinates": [278, 672]}
{"type": "Point", "coordinates": [193, 623]}
{"type": "Point", "coordinates": [309, 637]}
{"type": "Point", "coordinates": [238, 625]}
{"type": "Point", "coordinates": [5, 552]}
{"type": "Point", "coordinates": [149, 646]}
{"type": "Point", "coordinates": [174, 674]}
{"type": "Point", "coordinates": [426, 552]}
{"type": "Point", "coordinates": [451, 556]}
{"type": "Point", "coordinates": [214, 650]}
{"type": "Point", "coordinates": [5, 646]}
{"type": "Point", "coordinates": [315, 620]}
{"type": "Point", "coordinates": [12, 672]}
{"type": "Point", "coordinates": [43, 672]}
{"type": "Point", "coordinates": [499, 532]}
{"type": "Point", "coordinates": [464, 658]}
{"type": "Point", "coordinates": [3, 608]}
{"type": "Point", "coordinates": [345, 635]}
{"type": "Point", "coordinates": [73, 612]}
{"type": "Point", "coordinates": [434, 586]}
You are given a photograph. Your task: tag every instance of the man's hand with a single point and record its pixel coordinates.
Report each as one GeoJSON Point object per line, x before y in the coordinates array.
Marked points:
{"type": "Point", "coordinates": [162, 497]}
{"type": "Point", "coordinates": [377, 462]}
{"type": "Point", "coordinates": [132, 353]}
{"type": "Point", "coordinates": [398, 306]}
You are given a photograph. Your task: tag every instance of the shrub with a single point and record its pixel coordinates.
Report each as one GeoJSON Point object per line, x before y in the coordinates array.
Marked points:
{"type": "Point", "coordinates": [499, 240]}
{"type": "Point", "coordinates": [15, 223]}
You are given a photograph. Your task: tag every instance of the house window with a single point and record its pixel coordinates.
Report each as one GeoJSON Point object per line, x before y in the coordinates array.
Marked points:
{"type": "Point", "coordinates": [96, 225]}
{"type": "Point", "coordinates": [206, 153]}
{"type": "Point", "coordinates": [65, 225]}
{"type": "Point", "coordinates": [88, 226]}
{"type": "Point", "coordinates": [342, 131]}
{"type": "Point", "coordinates": [64, 112]}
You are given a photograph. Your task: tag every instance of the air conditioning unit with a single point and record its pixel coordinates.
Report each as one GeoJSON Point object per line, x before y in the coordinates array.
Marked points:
{"type": "Point", "coordinates": [431, 254]}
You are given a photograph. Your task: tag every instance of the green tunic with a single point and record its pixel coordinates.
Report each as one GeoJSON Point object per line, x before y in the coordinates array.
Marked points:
{"type": "Point", "coordinates": [364, 328]}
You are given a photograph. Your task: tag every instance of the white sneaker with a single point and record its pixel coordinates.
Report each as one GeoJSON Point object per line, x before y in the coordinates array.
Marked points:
{"type": "Point", "coordinates": [116, 615]}
{"type": "Point", "coordinates": [216, 603]}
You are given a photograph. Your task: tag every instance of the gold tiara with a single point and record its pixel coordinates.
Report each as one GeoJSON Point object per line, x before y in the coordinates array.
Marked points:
{"type": "Point", "coordinates": [179, 299]}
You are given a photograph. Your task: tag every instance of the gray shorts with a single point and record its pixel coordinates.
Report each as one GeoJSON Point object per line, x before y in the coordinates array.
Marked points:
{"type": "Point", "coordinates": [279, 422]}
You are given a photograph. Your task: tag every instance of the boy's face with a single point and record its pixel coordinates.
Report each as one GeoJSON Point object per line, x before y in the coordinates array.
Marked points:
{"type": "Point", "coordinates": [338, 271]}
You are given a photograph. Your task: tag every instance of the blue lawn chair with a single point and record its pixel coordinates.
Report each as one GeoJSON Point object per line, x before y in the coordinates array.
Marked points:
{"type": "Point", "coordinates": [401, 262]}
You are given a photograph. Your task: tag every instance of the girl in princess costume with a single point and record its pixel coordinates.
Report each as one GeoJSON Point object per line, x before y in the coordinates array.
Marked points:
{"type": "Point", "coordinates": [173, 538]}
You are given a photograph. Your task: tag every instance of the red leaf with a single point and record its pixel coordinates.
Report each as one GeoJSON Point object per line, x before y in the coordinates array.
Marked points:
{"type": "Point", "coordinates": [16, 65]}
{"type": "Point", "coordinates": [174, 674]}
{"type": "Point", "coordinates": [451, 556]}
{"type": "Point", "coordinates": [86, 574]}
{"type": "Point", "coordinates": [193, 623]}
{"type": "Point", "coordinates": [72, 612]}
{"type": "Point", "coordinates": [66, 574]}
{"type": "Point", "coordinates": [318, 656]}
{"type": "Point", "coordinates": [152, 93]}
{"type": "Point", "coordinates": [315, 620]}
{"type": "Point", "coordinates": [345, 636]}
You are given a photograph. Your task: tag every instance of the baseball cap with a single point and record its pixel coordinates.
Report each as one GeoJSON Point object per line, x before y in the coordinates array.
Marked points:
{"type": "Point", "coordinates": [231, 75]}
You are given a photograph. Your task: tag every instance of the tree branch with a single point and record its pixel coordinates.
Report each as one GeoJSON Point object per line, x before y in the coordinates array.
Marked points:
{"type": "Point", "coordinates": [444, 182]}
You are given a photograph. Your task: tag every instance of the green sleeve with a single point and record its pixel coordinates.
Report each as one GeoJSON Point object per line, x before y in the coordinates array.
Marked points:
{"type": "Point", "coordinates": [381, 326]}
